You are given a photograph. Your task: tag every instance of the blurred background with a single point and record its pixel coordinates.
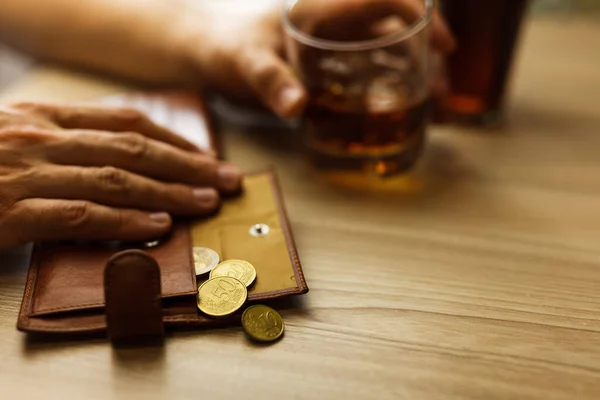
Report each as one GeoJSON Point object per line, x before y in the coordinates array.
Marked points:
{"type": "Point", "coordinates": [567, 6]}
{"type": "Point", "coordinates": [13, 65]}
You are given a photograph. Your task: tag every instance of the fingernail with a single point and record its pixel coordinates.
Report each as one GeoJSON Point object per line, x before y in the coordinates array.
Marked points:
{"type": "Point", "coordinates": [206, 197]}
{"type": "Point", "coordinates": [161, 218]}
{"type": "Point", "coordinates": [229, 177]}
{"type": "Point", "coordinates": [290, 101]}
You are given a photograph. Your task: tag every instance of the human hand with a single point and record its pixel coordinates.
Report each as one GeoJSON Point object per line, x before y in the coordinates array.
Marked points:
{"type": "Point", "coordinates": [99, 174]}
{"type": "Point", "coordinates": [239, 45]}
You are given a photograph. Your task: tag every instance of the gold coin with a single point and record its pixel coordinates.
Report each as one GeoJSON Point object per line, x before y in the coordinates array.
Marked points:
{"type": "Point", "coordinates": [262, 323]}
{"type": "Point", "coordinates": [238, 269]}
{"type": "Point", "coordinates": [205, 259]}
{"type": "Point", "coordinates": [221, 296]}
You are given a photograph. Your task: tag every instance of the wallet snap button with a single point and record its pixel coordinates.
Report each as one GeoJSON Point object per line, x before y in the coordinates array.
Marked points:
{"type": "Point", "coordinates": [259, 230]}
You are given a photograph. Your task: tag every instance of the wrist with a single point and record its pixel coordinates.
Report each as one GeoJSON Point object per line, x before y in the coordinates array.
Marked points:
{"type": "Point", "coordinates": [193, 40]}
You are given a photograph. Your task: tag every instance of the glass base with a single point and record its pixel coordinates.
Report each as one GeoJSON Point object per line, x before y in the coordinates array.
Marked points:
{"type": "Point", "coordinates": [356, 170]}
{"type": "Point", "coordinates": [470, 112]}
{"type": "Point", "coordinates": [364, 167]}
{"type": "Point", "coordinates": [382, 176]}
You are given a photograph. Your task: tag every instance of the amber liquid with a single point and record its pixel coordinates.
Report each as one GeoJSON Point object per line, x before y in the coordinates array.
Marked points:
{"type": "Point", "coordinates": [381, 143]}
{"type": "Point", "coordinates": [479, 69]}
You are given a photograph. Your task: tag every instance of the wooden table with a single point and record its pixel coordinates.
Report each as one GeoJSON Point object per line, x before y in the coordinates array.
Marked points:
{"type": "Point", "coordinates": [479, 278]}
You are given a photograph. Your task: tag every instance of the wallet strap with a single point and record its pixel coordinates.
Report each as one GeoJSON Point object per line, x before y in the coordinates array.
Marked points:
{"type": "Point", "coordinates": [133, 298]}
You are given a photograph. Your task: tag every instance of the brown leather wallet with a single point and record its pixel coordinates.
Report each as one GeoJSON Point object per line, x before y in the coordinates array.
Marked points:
{"type": "Point", "coordinates": [130, 291]}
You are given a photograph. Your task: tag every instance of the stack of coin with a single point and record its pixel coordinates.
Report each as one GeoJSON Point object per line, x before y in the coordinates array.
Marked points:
{"type": "Point", "coordinates": [225, 292]}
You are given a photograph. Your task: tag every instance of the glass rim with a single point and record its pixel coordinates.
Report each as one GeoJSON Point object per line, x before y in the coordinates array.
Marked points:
{"type": "Point", "coordinates": [336, 45]}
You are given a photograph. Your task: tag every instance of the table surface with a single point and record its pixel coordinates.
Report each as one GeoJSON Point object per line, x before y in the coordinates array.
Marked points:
{"type": "Point", "coordinates": [479, 277]}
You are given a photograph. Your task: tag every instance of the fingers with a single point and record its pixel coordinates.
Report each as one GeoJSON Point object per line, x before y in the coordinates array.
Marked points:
{"type": "Point", "coordinates": [115, 119]}
{"type": "Point", "coordinates": [118, 188]}
{"type": "Point", "coordinates": [136, 153]}
{"type": "Point", "coordinates": [273, 82]}
{"type": "Point", "coordinates": [411, 10]}
{"type": "Point", "coordinates": [441, 36]}
{"type": "Point", "coordinates": [440, 86]}
{"type": "Point", "coordinates": [335, 16]}
{"type": "Point", "coordinates": [49, 219]}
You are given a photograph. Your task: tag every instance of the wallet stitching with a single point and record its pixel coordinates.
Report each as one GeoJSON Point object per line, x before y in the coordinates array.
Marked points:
{"type": "Point", "coordinates": [99, 305]}
{"type": "Point", "coordinates": [167, 319]}
{"type": "Point", "coordinates": [27, 304]}
{"type": "Point", "coordinates": [182, 319]}
{"type": "Point", "coordinates": [268, 295]}
{"type": "Point", "coordinates": [291, 245]}
{"type": "Point", "coordinates": [190, 254]}
{"type": "Point", "coordinates": [97, 327]}
{"type": "Point", "coordinates": [80, 307]}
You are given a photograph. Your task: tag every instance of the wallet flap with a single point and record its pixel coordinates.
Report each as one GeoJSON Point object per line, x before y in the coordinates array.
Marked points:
{"type": "Point", "coordinates": [273, 252]}
{"type": "Point", "coordinates": [69, 276]}
{"type": "Point", "coordinates": [132, 296]}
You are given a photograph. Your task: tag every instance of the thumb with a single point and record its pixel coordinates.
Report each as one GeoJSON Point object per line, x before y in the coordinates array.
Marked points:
{"type": "Point", "coordinates": [273, 82]}
{"type": "Point", "coordinates": [441, 35]}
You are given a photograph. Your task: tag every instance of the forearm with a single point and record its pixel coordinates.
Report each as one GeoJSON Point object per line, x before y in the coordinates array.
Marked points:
{"type": "Point", "coordinates": [135, 38]}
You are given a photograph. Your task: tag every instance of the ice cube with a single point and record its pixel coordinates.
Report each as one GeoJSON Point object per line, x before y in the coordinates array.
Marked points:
{"type": "Point", "coordinates": [386, 93]}
{"type": "Point", "coordinates": [391, 61]}
{"type": "Point", "coordinates": [345, 64]}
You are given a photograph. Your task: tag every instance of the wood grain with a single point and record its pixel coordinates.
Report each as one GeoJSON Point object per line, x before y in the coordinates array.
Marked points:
{"type": "Point", "coordinates": [476, 278]}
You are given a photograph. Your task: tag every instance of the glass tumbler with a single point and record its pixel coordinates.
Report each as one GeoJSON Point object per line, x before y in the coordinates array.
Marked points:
{"type": "Point", "coordinates": [366, 66]}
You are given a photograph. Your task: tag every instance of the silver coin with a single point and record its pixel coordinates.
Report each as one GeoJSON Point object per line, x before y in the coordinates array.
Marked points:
{"type": "Point", "coordinates": [205, 259]}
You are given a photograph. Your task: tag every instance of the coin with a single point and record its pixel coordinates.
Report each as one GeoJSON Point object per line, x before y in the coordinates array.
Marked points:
{"type": "Point", "coordinates": [221, 296]}
{"type": "Point", "coordinates": [239, 269]}
{"type": "Point", "coordinates": [262, 323]}
{"type": "Point", "coordinates": [205, 259]}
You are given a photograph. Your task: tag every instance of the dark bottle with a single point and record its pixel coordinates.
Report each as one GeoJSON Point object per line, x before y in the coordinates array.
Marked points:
{"type": "Point", "coordinates": [487, 33]}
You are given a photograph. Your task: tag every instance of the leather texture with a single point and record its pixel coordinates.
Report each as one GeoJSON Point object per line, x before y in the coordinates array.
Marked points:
{"type": "Point", "coordinates": [65, 291]}
{"type": "Point", "coordinates": [133, 297]}
{"type": "Point", "coordinates": [69, 275]}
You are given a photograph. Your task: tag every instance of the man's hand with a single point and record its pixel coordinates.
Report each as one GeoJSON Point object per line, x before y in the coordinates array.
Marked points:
{"type": "Point", "coordinates": [100, 174]}
{"type": "Point", "coordinates": [238, 45]}
{"type": "Point", "coordinates": [233, 46]}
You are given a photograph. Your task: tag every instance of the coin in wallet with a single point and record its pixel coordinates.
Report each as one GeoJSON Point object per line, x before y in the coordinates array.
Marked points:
{"type": "Point", "coordinates": [205, 260]}
{"type": "Point", "coordinates": [221, 296]}
{"type": "Point", "coordinates": [238, 269]}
